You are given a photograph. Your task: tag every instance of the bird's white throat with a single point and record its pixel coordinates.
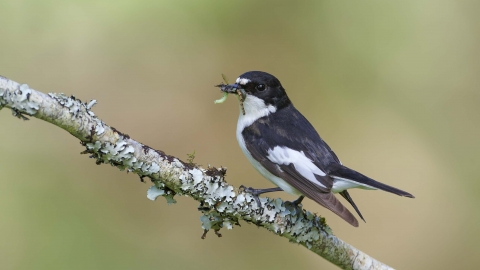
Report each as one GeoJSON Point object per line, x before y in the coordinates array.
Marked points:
{"type": "Point", "coordinates": [255, 108]}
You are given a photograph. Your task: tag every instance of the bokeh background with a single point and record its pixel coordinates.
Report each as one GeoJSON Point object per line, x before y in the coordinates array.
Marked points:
{"type": "Point", "coordinates": [393, 87]}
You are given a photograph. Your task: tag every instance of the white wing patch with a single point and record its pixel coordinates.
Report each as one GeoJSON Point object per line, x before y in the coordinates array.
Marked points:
{"type": "Point", "coordinates": [304, 166]}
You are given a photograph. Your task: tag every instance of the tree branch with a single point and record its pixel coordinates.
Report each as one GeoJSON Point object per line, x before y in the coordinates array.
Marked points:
{"type": "Point", "coordinates": [221, 204]}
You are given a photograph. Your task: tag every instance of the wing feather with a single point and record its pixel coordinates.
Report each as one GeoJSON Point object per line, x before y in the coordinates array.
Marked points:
{"type": "Point", "coordinates": [314, 192]}
{"type": "Point", "coordinates": [289, 174]}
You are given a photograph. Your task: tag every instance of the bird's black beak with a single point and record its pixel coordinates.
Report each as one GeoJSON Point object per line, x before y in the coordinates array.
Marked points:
{"type": "Point", "coordinates": [234, 88]}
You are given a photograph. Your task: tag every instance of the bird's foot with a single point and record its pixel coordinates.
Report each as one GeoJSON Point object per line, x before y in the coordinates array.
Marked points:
{"type": "Point", "coordinates": [202, 207]}
{"type": "Point", "coordinates": [256, 192]}
{"type": "Point", "coordinates": [297, 204]}
{"type": "Point", "coordinates": [18, 114]}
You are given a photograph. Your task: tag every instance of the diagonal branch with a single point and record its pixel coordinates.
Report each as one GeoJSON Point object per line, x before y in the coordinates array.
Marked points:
{"type": "Point", "coordinates": [221, 205]}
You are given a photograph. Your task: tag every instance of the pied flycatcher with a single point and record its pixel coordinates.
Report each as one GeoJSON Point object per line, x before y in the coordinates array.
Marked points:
{"type": "Point", "coordinates": [285, 148]}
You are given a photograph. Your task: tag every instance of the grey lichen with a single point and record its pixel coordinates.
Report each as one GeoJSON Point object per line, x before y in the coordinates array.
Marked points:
{"type": "Point", "coordinates": [2, 101]}
{"type": "Point", "coordinates": [91, 104]}
{"type": "Point", "coordinates": [18, 99]}
{"type": "Point", "coordinates": [74, 105]}
{"type": "Point", "coordinates": [77, 109]}
{"type": "Point", "coordinates": [159, 189]}
{"type": "Point", "coordinates": [121, 155]}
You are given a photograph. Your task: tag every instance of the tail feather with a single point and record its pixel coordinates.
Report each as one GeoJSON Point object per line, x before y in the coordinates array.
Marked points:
{"type": "Point", "coordinates": [340, 171]}
{"type": "Point", "coordinates": [350, 200]}
{"type": "Point", "coordinates": [329, 201]}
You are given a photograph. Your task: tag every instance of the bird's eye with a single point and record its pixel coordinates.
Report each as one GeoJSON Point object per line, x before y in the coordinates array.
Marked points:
{"type": "Point", "coordinates": [260, 87]}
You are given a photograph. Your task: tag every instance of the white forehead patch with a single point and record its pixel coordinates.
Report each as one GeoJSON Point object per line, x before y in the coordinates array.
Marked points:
{"type": "Point", "coordinates": [242, 81]}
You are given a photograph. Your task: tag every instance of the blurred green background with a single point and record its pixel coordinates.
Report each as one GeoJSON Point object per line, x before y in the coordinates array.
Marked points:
{"type": "Point", "coordinates": [393, 87]}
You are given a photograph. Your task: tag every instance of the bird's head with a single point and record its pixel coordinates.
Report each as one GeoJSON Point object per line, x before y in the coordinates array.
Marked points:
{"type": "Point", "coordinates": [258, 90]}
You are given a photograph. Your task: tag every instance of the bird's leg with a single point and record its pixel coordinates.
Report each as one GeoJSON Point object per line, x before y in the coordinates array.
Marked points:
{"type": "Point", "coordinates": [256, 192]}
{"type": "Point", "coordinates": [350, 200]}
{"type": "Point", "coordinates": [296, 203]}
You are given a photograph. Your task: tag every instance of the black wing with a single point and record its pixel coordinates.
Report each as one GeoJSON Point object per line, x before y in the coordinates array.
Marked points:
{"type": "Point", "coordinates": [268, 132]}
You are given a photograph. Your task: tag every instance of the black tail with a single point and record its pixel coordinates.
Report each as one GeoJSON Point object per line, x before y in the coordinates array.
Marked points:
{"type": "Point", "coordinates": [350, 200]}
{"type": "Point", "coordinates": [338, 170]}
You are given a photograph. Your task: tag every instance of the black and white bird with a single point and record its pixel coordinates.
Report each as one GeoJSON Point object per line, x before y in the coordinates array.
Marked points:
{"type": "Point", "coordinates": [285, 148]}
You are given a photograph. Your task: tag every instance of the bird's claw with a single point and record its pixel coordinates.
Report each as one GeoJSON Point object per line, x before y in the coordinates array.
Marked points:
{"type": "Point", "coordinates": [202, 207]}
{"type": "Point", "coordinates": [254, 193]}
{"type": "Point", "coordinates": [297, 204]}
